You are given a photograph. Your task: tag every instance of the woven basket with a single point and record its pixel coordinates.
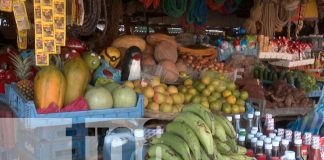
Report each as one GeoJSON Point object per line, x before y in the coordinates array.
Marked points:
{"type": "Point", "coordinates": [159, 115]}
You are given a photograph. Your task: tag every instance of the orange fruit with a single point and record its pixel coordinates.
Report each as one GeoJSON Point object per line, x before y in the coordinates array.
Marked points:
{"type": "Point", "coordinates": [231, 99]}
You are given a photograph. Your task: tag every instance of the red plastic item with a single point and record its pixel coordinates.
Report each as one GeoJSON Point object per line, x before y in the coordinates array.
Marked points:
{"type": "Point", "coordinates": [77, 45]}
{"type": "Point", "coordinates": [80, 104]}
{"type": "Point", "coordinates": [249, 153]}
{"type": "Point", "coordinates": [261, 157]}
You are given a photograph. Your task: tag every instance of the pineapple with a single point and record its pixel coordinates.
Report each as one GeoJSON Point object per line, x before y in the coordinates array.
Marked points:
{"type": "Point", "coordinates": [23, 71]}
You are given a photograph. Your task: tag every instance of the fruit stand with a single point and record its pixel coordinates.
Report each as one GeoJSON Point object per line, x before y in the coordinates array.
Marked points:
{"type": "Point", "coordinates": [161, 79]}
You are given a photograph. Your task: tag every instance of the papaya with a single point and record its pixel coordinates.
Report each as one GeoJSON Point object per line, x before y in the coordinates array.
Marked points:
{"type": "Point", "coordinates": [49, 87]}
{"type": "Point", "coordinates": [77, 75]}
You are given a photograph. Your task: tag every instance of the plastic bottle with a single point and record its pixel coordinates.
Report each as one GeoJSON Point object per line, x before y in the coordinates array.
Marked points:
{"type": "Point", "coordinates": [242, 132]}
{"type": "Point", "coordinates": [289, 155]}
{"type": "Point", "coordinates": [267, 140]}
{"type": "Point", "coordinates": [119, 144]}
{"type": "Point", "coordinates": [307, 140]}
{"type": "Point", "coordinates": [237, 123]}
{"type": "Point", "coordinates": [248, 141]}
{"type": "Point", "coordinates": [272, 136]}
{"type": "Point", "coordinates": [258, 134]}
{"type": "Point", "coordinates": [257, 121]}
{"type": "Point", "coordinates": [254, 145]}
{"type": "Point", "coordinates": [275, 148]}
{"type": "Point", "coordinates": [270, 126]}
{"type": "Point", "coordinates": [241, 141]}
{"type": "Point", "coordinates": [315, 150]}
{"type": "Point", "coordinates": [259, 147]}
{"type": "Point", "coordinates": [281, 132]}
{"type": "Point", "coordinates": [297, 146]}
{"type": "Point", "coordinates": [262, 137]}
{"type": "Point", "coordinates": [268, 150]}
{"type": "Point", "coordinates": [139, 143]}
{"type": "Point", "coordinates": [284, 146]}
{"type": "Point", "coordinates": [230, 118]}
{"type": "Point", "coordinates": [254, 130]}
{"type": "Point", "coordinates": [250, 123]}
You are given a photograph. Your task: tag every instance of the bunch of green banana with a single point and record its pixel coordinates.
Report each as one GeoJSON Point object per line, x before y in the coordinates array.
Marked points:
{"type": "Point", "coordinates": [197, 134]}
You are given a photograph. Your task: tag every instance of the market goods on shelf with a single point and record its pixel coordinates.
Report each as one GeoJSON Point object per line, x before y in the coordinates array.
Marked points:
{"type": "Point", "coordinates": [197, 133]}
{"type": "Point", "coordinates": [281, 95]}
{"type": "Point", "coordinates": [199, 63]}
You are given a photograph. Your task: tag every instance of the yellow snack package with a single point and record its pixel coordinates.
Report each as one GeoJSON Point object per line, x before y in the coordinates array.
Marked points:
{"type": "Point", "coordinates": [49, 46]}
{"type": "Point", "coordinates": [20, 14]}
{"type": "Point", "coordinates": [38, 44]}
{"type": "Point", "coordinates": [22, 39]}
{"type": "Point", "coordinates": [42, 59]}
{"type": "Point", "coordinates": [6, 5]}
{"type": "Point", "coordinates": [48, 30]}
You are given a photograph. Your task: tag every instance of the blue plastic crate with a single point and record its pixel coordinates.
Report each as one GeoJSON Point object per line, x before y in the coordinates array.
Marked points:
{"type": "Point", "coordinates": [226, 55]}
{"type": "Point", "coordinates": [27, 110]}
{"type": "Point", "coordinates": [32, 148]}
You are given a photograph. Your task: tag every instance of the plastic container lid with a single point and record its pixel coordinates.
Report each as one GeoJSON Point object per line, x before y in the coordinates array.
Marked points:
{"type": "Point", "coordinates": [254, 131]}
{"type": "Point", "coordinates": [259, 143]}
{"type": "Point", "coordinates": [298, 141]}
{"type": "Point", "coordinates": [139, 133]}
{"type": "Point", "coordinates": [277, 138]}
{"type": "Point", "coordinates": [257, 113]}
{"type": "Point", "coordinates": [241, 138]}
{"type": "Point", "coordinates": [290, 155]}
{"type": "Point", "coordinates": [268, 146]}
{"type": "Point", "coordinates": [250, 136]}
{"type": "Point", "coordinates": [272, 135]}
{"type": "Point", "coordinates": [229, 118]}
{"type": "Point", "coordinates": [275, 143]}
{"type": "Point", "coordinates": [259, 134]}
{"type": "Point", "coordinates": [267, 140]}
{"type": "Point", "coordinates": [254, 140]}
{"type": "Point", "coordinates": [262, 137]}
{"type": "Point", "coordinates": [250, 116]}
{"type": "Point", "coordinates": [285, 141]}
{"type": "Point", "coordinates": [237, 116]}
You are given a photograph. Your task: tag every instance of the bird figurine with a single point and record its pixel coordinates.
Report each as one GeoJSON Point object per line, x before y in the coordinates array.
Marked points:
{"type": "Point", "coordinates": [131, 64]}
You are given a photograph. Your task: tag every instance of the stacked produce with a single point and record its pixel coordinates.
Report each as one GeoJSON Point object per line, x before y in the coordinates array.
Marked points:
{"type": "Point", "coordinates": [299, 79]}
{"type": "Point", "coordinates": [158, 96]}
{"type": "Point", "coordinates": [216, 92]}
{"type": "Point", "coordinates": [282, 95]}
{"type": "Point", "coordinates": [199, 63]}
{"type": "Point", "coordinates": [197, 133]}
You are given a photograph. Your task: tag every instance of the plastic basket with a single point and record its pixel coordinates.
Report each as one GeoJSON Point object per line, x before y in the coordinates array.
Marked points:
{"type": "Point", "coordinates": [222, 56]}
{"type": "Point", "coordinates": [33, 149]}
{"type": "Point", "coordinates": [26, 109]}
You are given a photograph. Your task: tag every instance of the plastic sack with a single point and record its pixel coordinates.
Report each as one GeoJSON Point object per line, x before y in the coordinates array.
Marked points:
{"type": "Point", "coordinates": [312, 122]}
{"type": "Point", "coordinates": [249, 110]}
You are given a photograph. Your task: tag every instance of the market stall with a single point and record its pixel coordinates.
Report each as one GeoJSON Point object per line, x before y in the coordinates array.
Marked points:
{"type": "Point", "coordinates": [161, 79]}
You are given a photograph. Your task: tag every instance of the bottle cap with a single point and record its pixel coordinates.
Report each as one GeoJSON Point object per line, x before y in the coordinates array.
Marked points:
{"type": "Point", "coordinates": [241, 138]}
{"type": "Point", "coordinates": [259, 134]}
{"type": "Point", "coordinates": [277, 138]}
{"type": "Point", "coordinates": [139, 133]}
{"type": "Point", "coordinates": [285, 142]}
{"type": "Point", "coordinates": [262, 137]}
{"type": "Point", "coordinates": [268, 146]}
{"type": "Point", "coordinates": [254, 140]}
{"type": "Point", "coordinates": [290, 154]}
{"type": "Point", "coordinates": [257, 113]}
{"type": "Point", "coordinates": [250, 136]}
{"type": "Point", "coordinates": [254, 131]}
{"type": "Point", "coordinates": [259, 143]}
{"type": "Point", "coordinates": [272, 135]}
{"type": "Point", "coordinates": [250, 116]}
{"type": "Point", "coordinates": [275, 143]}
{"type": "Point", "coordinates": [298, 141]}
{"type": "Point", "coordinates": [267, 140]}
{"type": "Point", "coordinates": [229, 118]}
{"type": "Point", "coordinates": [237, 116]}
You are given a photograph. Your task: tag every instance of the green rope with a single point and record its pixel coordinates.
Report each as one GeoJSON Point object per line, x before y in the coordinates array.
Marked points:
{"type": "Point", "coordinates": [174, 8]}
{"type": "Point", "coordinates": [190, 12]}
